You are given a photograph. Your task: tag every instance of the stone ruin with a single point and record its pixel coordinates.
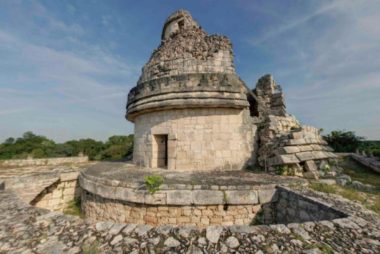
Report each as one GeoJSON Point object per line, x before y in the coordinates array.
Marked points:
{"type": "Point", "coordinates": [193, 112]}
{"type": "Point", "coordinates": [285, 144]}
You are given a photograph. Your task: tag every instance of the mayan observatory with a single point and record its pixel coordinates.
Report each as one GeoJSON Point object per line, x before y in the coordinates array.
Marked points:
{"type": "Point", "coordinates": [219, 166]}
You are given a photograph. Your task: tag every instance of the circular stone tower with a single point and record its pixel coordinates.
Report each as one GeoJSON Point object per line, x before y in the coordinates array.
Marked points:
{"type": "Point", "coordinates": [189, 107]}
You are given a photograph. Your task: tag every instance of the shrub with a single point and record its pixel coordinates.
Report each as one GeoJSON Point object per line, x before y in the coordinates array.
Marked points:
{"type": "Point", "coordinates": [343, 141]}
{"type": "Point", "coordinates": [153, 183]}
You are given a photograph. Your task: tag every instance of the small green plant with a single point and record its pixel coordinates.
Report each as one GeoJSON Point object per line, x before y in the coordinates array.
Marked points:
{"type": "Point", "coordinates": [224, 197]}
{"type": "Point", "coordinates": [153, 183]}
{"type": "Point", "coordinates": [326, 168]}
{"type": "Point", "coordinates": [285, 170]}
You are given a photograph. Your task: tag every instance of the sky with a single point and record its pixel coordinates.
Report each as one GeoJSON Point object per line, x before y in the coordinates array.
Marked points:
{"type": "Point", "coordinates": [66, 66]}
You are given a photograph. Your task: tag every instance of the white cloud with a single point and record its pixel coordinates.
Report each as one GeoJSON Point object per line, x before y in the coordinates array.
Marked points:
{"type": "Point", "coordinates": [60, 85]}
{"type": "Point", "coordinates": [282, 28]}
{"type": "Point", "coordinates": [330, 71]}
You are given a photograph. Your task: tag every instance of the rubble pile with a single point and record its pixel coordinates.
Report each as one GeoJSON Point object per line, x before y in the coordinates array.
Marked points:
{"type": "Point", "coordinates": [286, 146]}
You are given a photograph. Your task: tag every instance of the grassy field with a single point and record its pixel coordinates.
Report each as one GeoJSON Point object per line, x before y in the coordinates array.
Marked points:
{"type": "Point", "coordinates": [357, 172]}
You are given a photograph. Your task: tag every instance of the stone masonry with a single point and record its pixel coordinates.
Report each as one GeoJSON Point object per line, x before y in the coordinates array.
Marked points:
{"type": "Point", "coordinates": [27, 229]}
{"type": "Point", "coordinates": [101, 209]}
{"type": "Point", "coordinates": [57, 196]}
{"type": "Point", "coordinates": [284, 142]}
{"type": "Point", "coordinates": [189, 107]}
{"type": "Point", "coordinates": [193, 112]}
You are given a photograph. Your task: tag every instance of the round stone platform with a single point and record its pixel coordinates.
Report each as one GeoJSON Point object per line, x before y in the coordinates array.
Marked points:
{"type": "Point", "coordinates": [117, 192]}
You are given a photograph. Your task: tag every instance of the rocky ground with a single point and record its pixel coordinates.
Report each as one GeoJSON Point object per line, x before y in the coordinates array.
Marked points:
{"type": "Point", "coordinates": [26, 229]}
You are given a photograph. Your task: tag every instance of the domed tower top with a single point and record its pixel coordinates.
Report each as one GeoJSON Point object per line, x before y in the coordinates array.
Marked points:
{"type": "Point", "coordinates": [179, 20]}
{"type": "Point", "coordinates": [188, 63]}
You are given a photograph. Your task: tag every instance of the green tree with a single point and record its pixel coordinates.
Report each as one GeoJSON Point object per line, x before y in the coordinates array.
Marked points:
{"type": "Point", "coordinates": [30, 144]}
{"type": "Point", "coordinates": [117, 147]}
{"type": "Point", "coordinates": [26, 145]}
{"type": "Point", "coordinates": [9, 141]}
{"type": "Point", "coordinates": [343, 141]}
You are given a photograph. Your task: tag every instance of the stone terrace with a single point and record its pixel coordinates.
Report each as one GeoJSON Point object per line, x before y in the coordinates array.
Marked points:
{"type": "Point", "coordinates": [129, 174]}
{"type": "Point", "coordinates": [26, 229]}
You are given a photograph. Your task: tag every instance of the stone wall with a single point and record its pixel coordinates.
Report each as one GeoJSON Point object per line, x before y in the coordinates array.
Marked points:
{"type": "Point", "coordinates": [26, 229]}
{"type": "Point", "coordinates": [57, 196]}
{"type": "Point", "coordinates": [291, 207]}
{"type": "Point", "coordinates": [43, 162]}
{"type": "Point", "coordinates": [198, 139]}
{"type": "Point", "coordinates": [28, 187]}
{"type": "Point", "coordinates": [51, 190]}
{"type": "Point", "coordinates": [97, 208]}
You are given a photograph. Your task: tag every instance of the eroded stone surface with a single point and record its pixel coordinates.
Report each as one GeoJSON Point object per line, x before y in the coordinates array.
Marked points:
{"type": "Point", "coordinates": [26, 228]}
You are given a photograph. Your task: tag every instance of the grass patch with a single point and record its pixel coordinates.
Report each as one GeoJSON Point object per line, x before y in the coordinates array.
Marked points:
{"type": "Point", "coordinates": [370, 201]}
{"type": "Point", "coordinates": [74, 208]}
{"type": "Point", "coordinates": [345, 192]}
{"type": "Point", "coordinates": [92, 248]}
{"type": "Point", "coordinates": [323, 187]}
{"type": "Point", "coordinates": [376, 205]}
{"type": "Point", "coordinates": [360, 173]}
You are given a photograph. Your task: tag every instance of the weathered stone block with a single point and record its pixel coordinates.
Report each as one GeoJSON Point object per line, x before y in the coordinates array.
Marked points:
{"type": "Point", "coordinates": [311, 175]}
{"type": "Point", "coordinates": [156, 198]}
{"type": "Point", "coordinates": [179, 197]}
{"type": "Point", "coordinates": [241, 197]}
{"type": "Point", "coordinates": [267, 195]}
{"type": "Point", "coordinates": [310, 166]}
{"type": "Point", "coordinates": [288, 149]}
{"type": "Point", "coordinates": [305, 156]}
{"type": "Point", "coordinates": [207, 197]}
{"type": "Point", "coordinates": [69, 176]}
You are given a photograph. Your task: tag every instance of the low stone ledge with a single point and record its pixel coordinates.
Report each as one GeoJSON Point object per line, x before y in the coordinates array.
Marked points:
{"type": "Point", "coordinates": [44, 161]}
{"type": "Point", "coordinates": [241, 195]}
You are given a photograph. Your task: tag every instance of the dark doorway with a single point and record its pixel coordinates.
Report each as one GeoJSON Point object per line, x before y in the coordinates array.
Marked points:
{"type": "Point", "coordinates": [161, 150]}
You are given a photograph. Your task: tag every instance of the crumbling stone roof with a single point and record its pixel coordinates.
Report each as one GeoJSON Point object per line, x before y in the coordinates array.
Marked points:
{"type": "Point", "coordinates": [188, 64]}
{"type": "Point", "coordinates": [184, 40]}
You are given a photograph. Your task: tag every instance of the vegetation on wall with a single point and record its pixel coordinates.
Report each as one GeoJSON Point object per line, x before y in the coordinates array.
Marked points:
{"type": "Point", "coordinates": [153, 183]}
{"type": "Point", "coordinates": [36, 146]}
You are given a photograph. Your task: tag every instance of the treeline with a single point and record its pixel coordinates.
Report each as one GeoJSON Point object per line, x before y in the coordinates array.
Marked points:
{"type": "Point", "coordinates": [370, 147]}
{"type": "Point", "coordinates": [349, 142]}
{"type": "Point", "coordinates": [36, 146]}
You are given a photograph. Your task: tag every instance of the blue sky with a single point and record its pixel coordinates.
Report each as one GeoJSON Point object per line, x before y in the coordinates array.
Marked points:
{"type": "Point", "coordinates": [66, 66]}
